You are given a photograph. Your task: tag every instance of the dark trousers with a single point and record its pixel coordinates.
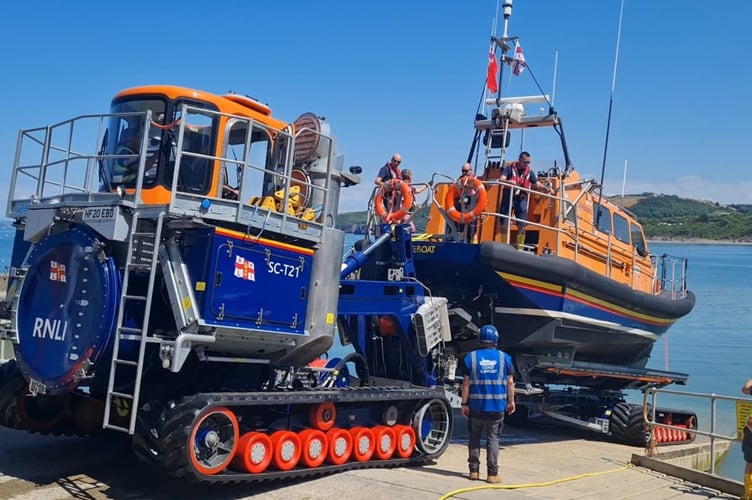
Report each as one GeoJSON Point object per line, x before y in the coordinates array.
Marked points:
{"type": "Point", "coordinates": [492, 423]}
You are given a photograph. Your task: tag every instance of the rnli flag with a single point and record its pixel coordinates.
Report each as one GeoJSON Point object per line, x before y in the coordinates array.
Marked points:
{"type": "Point", "coordinates": [57, 272]}
{"type": "Point", "coordinates": [244, 269]}
{"type": "Point", "coordinates": [518, 61]}
{"type": "Point", "coordinates": [493, 68]}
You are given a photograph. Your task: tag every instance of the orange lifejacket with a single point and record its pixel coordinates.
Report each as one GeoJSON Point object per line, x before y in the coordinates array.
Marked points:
{"type": "Point", "coordinates": [522, 180]}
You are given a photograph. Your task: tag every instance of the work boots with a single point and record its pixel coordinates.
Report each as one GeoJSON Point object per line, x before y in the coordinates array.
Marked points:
{"type": "Point", "coordinates": [474, 476]}
{"type": "Point", "coordinates": [493, 479]}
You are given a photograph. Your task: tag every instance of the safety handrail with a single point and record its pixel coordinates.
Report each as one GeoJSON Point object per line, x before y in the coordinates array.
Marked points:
{"type": "Point", "coordinates": [714, 433]}
{"type": "Point", "coordinates": [568, 232]}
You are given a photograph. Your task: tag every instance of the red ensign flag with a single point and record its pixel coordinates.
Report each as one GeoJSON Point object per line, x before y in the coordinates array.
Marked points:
{"type": "Point", "coordinates": [493, 67]}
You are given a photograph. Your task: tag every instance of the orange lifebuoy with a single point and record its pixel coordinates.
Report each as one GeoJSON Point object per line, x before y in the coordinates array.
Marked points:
{"type": "Point", "coordinates": [460, 188]}
{"type": "Point", "coordinates": [385, 212]}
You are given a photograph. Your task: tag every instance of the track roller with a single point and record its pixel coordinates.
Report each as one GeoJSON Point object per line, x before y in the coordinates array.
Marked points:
{"type": "Point", "coordinates": [405, 439]}
{"type": "Point", "coordinates": [286, 449]}
{"type": "Point", "coordinates": [340, 444]}
{"type": "Point", "coordinates": [254, 453]}
{"type": "Point", "coordinates": [213, 440]}
{"type": "Point", "coordinates": [433, 426]}
{"type": "Point", "coordinates": [364, 443]}
{"type": "Point", "coordinates": [314, 447]}
{"type": "Point", "coordinates": [322, 416]}
{"type": "Point", "coordinates": [386, 442]}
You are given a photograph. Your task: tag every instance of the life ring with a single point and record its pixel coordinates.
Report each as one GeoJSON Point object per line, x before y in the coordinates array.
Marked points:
{"type": "Point", "coordinates": [461, 188]}
{"type": "Point", "coordinates": [383, 205]}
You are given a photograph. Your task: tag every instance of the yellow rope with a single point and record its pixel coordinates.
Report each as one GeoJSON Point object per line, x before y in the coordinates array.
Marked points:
{"type": "Point", "coordinates": [530, 485]}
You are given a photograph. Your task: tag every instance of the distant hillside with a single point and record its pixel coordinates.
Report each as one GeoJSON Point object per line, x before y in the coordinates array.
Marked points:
{"type": "Point", "coordinates": [663, 217]}
{"type": "Point", "coordinates": [671, 217]}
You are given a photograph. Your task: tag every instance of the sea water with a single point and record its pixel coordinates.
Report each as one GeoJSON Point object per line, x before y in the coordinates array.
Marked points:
{"type": "Point", "coordinates": [710, 344]}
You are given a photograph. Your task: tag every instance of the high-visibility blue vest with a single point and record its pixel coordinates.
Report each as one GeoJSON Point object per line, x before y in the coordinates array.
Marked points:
{"type": "Point", "coordinates": [488, 380]}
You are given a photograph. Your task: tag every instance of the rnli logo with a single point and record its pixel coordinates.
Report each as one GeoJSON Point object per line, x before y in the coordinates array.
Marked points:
{"type": "Point", "coordinates": [57, 272]}
{"type": "Point", "coordinates": [244, 269]}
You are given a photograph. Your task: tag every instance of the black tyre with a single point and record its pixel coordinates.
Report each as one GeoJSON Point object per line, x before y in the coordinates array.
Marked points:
{"type": "Point", "coordinates": [11, 385]}
{"type": "Point", "coordinates": [627, 425]}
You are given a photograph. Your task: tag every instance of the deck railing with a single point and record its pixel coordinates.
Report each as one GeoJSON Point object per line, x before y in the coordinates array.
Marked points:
{"type": "Point", "coordinates": [668, 272]}
{"type": "Point", "coordinates": [721, 425]}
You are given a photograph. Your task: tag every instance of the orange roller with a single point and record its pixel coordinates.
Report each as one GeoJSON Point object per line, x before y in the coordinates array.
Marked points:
{"type": "Point", "coordinates": [386, 442]}
{"type": "Point", "coordinates": [364, 443]}
{"type": "Point", "coordinates": [286, 449]}
{"type": "Point", "coordinates": [339, 446]}
{"type": "Point", "coordinates": [322, 416]}
{"type": "Point", "coordinates": [314, 447]}
{"type": "Point", "coordinates": [405, 440]}
{"type": "Point", "coordinates": [254, 452]}
{"type": "Point", "coordinates": [660, 435]}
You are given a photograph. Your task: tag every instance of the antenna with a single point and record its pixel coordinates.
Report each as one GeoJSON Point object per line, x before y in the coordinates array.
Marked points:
{"type": "Point", "coordinates": [507, 14]}
{"type": "Point", "coordinates": [610, 108]}
{"type": "Point", "coordinates": [556, 68]}
{"type": "Point", "coordinates": [624, 181]}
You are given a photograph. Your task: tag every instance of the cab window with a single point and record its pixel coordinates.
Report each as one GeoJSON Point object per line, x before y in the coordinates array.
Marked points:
{"type": "Point", "coordinates": [602, 218]}
{"type": "Point", "coordinates": [639, 240]}
{"type": "Point", "coordinates": [199, 131]}
{"type": "Point", "coordinates": [621, 228]}
{"type": "Point", "coordinates": [123, 140]}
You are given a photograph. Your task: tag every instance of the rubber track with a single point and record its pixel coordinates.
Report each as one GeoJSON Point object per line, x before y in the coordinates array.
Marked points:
{"type": "Point", "coordinates": [168, 450]}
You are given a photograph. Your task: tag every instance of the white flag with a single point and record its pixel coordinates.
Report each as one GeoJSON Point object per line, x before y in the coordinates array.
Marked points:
{"type": "Point", "coordinates": [518, 61]}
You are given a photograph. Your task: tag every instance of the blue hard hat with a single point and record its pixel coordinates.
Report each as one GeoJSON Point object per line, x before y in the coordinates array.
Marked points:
{"type": "Point", "coordinates": [489, 334]}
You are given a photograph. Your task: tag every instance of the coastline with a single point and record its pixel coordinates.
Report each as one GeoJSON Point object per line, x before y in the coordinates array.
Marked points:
{"type": "Point", "coordinates": [698, 241]}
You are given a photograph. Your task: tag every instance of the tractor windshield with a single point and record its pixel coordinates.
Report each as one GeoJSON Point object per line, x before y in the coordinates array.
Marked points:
{"type": "Point", "coordinates": [127, 131]}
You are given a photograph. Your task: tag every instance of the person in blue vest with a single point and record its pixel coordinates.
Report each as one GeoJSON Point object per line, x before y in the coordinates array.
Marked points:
{"type": "Point", "coordinates": [487, 393]}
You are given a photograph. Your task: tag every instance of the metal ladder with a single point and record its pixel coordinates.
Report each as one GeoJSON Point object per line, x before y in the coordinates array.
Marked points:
{"type": "Point", "coordinates": [135, 262]}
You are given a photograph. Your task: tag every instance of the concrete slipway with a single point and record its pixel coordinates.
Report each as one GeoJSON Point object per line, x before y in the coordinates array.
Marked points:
{"type": "Point", "coordinates": [535, 462]}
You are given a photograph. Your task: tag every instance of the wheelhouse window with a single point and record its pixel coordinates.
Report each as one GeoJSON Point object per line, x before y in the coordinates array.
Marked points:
{"type": "Point", "coordinates": [621, 228]}
{"type": "Point", "coordinates": [602, 218]}
{"type": "Point", "coordinates": [639, 240]}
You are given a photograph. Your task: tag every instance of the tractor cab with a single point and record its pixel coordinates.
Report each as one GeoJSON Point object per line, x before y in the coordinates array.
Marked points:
{"type": "Point", "coordinates": [219, 158]}
{"type": "Point", "coordinates": [150, 130]}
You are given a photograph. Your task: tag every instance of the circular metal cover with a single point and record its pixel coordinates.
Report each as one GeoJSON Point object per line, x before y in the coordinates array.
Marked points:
{"type": "Point", "coordinates": [307, 127]}
{"type": "Point", "coordinates": [66, 309]}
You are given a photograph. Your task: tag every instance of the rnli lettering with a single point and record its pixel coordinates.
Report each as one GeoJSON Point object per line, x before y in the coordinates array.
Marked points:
{"type": "Point", "coordinates": [424, 248]}
{"type": "Point", "coordinates": [50, 328]}
{"type": "Point", "coordinates": [287, 270]}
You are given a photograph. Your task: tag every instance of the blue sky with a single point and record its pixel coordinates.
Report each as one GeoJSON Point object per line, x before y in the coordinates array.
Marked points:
{"type": "Point", "coordinates": [406, 76]}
